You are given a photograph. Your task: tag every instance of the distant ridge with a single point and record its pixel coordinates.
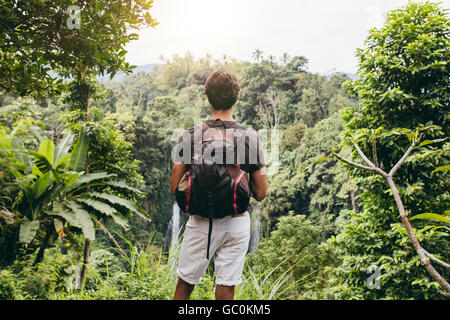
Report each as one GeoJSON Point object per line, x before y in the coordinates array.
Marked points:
{"type": "Point", "coordinates": [351, 76]}
{"type": "Point", "coordinates": [146, 68]}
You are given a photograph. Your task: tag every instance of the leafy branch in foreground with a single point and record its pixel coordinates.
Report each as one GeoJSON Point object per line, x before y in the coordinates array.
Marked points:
{"type": "Point", "coordinates": [424, 256]}
{"type": "Point", "coordinates": [60, 196]}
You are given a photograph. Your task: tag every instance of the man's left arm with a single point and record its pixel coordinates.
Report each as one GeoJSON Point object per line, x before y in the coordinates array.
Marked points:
{"type": "Point", "coordinates": [258, 184]}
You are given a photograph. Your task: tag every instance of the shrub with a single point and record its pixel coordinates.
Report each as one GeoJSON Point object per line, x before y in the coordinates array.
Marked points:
{"type": "Point", "coordinates": [295, 247]}
{"type": "Point", "coordinates": [7, 285]}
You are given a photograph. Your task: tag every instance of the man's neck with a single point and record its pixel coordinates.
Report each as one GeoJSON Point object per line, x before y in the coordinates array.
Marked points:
{"type": "Point", "coordinates": [225, 115]}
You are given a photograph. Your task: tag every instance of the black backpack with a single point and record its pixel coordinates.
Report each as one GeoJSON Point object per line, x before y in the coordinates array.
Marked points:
{"type": "Point", "coordinates": [215, 188]}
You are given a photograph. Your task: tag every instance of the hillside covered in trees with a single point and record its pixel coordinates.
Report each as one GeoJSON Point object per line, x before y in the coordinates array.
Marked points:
{"type": "Point", "coordinates": [357, 208]}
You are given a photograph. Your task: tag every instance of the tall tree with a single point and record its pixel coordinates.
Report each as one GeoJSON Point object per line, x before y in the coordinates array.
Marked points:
{"type": "Point", "coordinates": [403, 87]}
{"type": "Point", "coordinates": [77, 41]}
{"type": "Point", "coordinates": [70, 39]}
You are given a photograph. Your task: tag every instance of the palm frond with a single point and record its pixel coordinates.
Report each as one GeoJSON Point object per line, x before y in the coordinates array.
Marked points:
{"type": "Point", "coordinates": [86, 179]}
{"type": "Point", "coordinates": [104, 209]}
{"type": "Point", "coordinates": [87, 225]}
{"type": "Point", "coordinates": [123, 185]}
{"type": "Point", "coordinates": [122, 202]}
{"type": "Point", "coordinates": [68, 215]}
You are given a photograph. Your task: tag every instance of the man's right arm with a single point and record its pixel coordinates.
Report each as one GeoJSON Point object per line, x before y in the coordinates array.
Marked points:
{"type": "Point", "coordinates": [177, 173]}
{"type": "Point", "coordinates": [258, 184]}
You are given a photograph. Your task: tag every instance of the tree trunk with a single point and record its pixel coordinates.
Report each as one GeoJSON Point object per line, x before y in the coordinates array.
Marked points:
{"type": "Point", "coordinates": [10, 244]}
{"type": "Point", "coordinates": [40, 255]}
{"type": "Point", "coordinates": [87, 246]}
{"type": "Point", "coordinates": [87, 243]}
{"type": "Point", "coordinates": [352, 198]}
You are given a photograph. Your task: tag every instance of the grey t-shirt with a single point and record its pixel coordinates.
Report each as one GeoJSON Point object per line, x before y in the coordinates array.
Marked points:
{"type": "Point", "coordinates": [250, 149]}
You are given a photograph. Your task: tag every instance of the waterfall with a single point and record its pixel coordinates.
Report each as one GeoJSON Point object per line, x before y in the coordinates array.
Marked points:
{"type": "Point", "coordinates": [173, 229]}
{"type": "Point", "coordinates": [175, 224]}
{"type": "Point", "coordinates": [74, 279]}
{"type": "Point", "coordinates": [77, 278]}
{"type": "Point", "coordinates": [255, 228]}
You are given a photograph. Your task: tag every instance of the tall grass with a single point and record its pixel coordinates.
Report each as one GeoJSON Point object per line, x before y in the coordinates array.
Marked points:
{"type": "Point", "coordinates": [267, 286]}
{"type": "Point", "coordinates": [150, 274]}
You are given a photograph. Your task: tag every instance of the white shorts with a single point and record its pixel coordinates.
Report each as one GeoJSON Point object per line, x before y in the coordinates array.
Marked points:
{"type": "Point", "coordinates": [229, 243]}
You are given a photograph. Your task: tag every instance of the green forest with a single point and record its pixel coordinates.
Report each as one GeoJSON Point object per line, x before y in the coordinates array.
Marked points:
{"type": "Point", "coordinates": [357, 206]}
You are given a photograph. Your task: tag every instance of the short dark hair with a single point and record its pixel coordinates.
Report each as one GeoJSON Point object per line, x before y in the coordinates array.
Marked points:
{"type": "Point", "coordinates": [222, 89]}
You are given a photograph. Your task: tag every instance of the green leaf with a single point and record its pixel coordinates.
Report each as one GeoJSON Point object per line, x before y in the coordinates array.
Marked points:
{"type": "Point", "coordinates": [120, 221]}
{"type": "Point", "coordinates": [98, 205]}
{"type": "Point", "coordinates": [104, 209]}
{"type": "Point", "coordinates": [44, 166]}
{"type": "Point", "coordinates": [87, 225]}
{"type": "Point", "coordinates": [40, 185]}
{"type": "Point", "coordinates": [41, 163]}
{"type": "Point", "coordinates": [86, 179]}
{"type": "Point", "coordinates": [321, 160]}
{"type": "Point", "coordinates": [123, 185]}
{"type": "Point", "coordinates": [441, 169]}
{"type": "Point", "coordinates": [410, 136]}
{"type": "Point", "coordinates": [67, 215]}
{"type": "Point", "coordinates": [45, 154]}
{"type": "Point", "coordinates": [47, 148]}
{"type": "Point", "coordinates": [62, 163]}
{"type": "Point", "coordinates": [59, 227]}
{"type": "Point", "coordinates": [19, 149]}
{"type": "Point", "coordinates": [433, 217]}
{"type": "Point", "coordinates": [28, 230]}
{"type": "Point", "coordinates": [426, 142]}
{"type": "Point", "coordinates": [428, 228]}
{"type": "Point", "coordinates": [4, 139]}
{"type": "Point", "coordinates": [79, 152]}
{"type": "Point", "coordinates": [122, 202]}
{"type": "Point", "coordinates": [63, 147]}
{"type": "Point", "coordinates": [70, 178]}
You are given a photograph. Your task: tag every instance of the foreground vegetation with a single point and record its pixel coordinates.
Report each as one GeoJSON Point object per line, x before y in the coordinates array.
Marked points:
{"type": "Point", "coordinates": [84, 195]}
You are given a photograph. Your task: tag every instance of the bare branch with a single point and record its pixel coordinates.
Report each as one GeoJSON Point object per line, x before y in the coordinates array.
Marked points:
{"type": "Point", "coordinates": [433, 258]}
{"type": "Point", "coordinates": [353, 164]}
{"type": "Point", "coordinates": [400, 162]}
{"type": "Point", "coordinates": [363, 156]}
{"type": "Point", "coordinates": [110, 236]}
{"type": "Point", "coordinates": [424, 256]}
{"type": "Point", "coordinates": [409, 230]}
{"type": "Point", "coordinates": [360, 166]}
{"type": "Point", "coordinates": [374, 152]}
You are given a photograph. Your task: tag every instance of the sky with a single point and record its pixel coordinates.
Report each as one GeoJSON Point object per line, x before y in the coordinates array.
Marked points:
{"type": "Point", "coordinates": [326, 32]}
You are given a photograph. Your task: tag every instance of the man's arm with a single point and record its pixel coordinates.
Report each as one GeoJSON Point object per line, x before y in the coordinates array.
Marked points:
{"type": "Point", "coordinates": [177, 173]}
{"type": "Point", "coordinates": [258, 184]}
